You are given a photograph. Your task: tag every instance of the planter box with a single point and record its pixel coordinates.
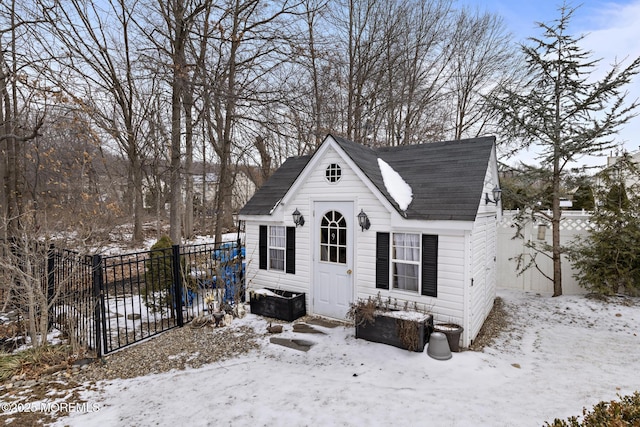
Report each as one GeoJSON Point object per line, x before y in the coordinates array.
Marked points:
{"type": "Point", "coordinates": [278, 304]}
{"type": "Point", "coordinates": [452, 332]}
{"type": "Point", "coordinates": [385, 329]}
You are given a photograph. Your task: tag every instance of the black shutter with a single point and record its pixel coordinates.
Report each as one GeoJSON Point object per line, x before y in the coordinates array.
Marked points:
{"type": "Point", "coordinates": [262, 248]}
{"type": "Point", "coordinates": [290, 255]}
{"type": "Point", "coordinates": [382, 260]}
{"type": "Point", "coordinates": [430, 265]}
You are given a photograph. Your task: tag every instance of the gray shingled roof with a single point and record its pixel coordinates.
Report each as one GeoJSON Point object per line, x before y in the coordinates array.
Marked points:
{"type": "Point", "coordinates": [269, 195]}
{"type": "Point", "coordinates": [446, 177]}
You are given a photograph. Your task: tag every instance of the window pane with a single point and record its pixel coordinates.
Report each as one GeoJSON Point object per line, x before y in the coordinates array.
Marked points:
{"type": "Point", "coordinates": [342, 253]}
{"type": "Point", "coordinates": [406, 246]}
{"type": "Point", "coordinates": [277, 236]}
{"type": "Point", "coordinates": [324, 235]}
{"type": "Point", "coordinates": [276, 259]}
{"type": "Point", "coordinates": [405, 276]}
{"type": "Point", "coordinates": [332, 236]}
{"type": "Point", "coordinates": [342, 236]}
{"type": "Point", "coordinates": [324, 253]}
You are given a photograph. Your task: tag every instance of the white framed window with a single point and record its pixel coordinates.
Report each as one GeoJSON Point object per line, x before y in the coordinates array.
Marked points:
{"type": "Point", "coordinates": [405, 262]}
{"type": "Point", "coordinates": [333, 238]}
{"type": "Point", "coordinates": [277, 247]}
{"type": "Point", "coordinates": [333, 172]}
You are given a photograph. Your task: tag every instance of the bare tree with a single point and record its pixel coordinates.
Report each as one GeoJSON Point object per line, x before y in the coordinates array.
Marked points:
{"type": "Point", "coordinates": [20, 116]}
{"type": "Point", "coordinates": [396, 68]}
{"type": "Point", "coordinates": [417, 76]}
{"type": "Point", "coordinates": [243, 51]}
{"type": "Point", "coordinates": [98, 39]}
{"type": "Point", "coordinates": [168, 28]}
{"type": "Point", "coordinates": [484, 58]}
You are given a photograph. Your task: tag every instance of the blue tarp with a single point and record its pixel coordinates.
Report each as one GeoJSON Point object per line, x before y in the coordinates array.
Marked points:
{"type": "Point", "coordinates": [229, 270]}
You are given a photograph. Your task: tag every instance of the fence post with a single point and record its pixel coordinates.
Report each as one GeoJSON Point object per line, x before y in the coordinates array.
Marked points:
{"type": "Point", "coordinates": [51, 282]}
{"type": "Point", "coordinates": [177, 284]}
{"type": "Point", "coordinates": [242, 295]}
{"type": "Point", "coordinates": [99, 304]}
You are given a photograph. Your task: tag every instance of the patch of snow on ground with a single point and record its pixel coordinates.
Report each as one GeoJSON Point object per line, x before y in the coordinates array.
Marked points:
{"type": "Point", "coordinates": [563, 354]}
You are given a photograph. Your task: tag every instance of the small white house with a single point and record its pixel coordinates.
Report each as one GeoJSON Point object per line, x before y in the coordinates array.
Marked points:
{"type": "Point", "coordinates": [414, 223]}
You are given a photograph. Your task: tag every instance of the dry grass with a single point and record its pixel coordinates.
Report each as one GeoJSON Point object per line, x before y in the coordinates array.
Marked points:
{"type": "Point", "coordinates": [409, 333]}
{"type": "Point", "coordinates": [32, 362]}
{"type": "Point", "coordinates": [496, 323]}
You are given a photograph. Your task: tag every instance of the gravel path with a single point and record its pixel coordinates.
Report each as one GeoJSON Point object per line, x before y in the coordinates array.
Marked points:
{"type": "Point", "coordinates": [176, 349]}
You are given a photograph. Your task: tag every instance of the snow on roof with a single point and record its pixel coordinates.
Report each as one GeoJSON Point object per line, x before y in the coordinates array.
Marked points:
{"type": "Point", "coordinates": [396, 186]}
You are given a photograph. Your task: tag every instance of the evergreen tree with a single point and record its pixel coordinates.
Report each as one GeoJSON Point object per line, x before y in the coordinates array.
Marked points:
{"type": "Point", "coordinates": [158, 277]}
{"type": "Point", "coordinates": [563, 113]}
{"type": "Point", "coordinates": [616, 199]}
{"type": "Point", "coordinates": [607, 261]}
{"type": "Point", "coordinates": [583, 198]}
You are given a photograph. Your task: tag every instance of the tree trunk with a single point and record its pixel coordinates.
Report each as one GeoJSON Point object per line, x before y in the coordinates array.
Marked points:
{"type": "Point", "coordinates": [555, 226]}
{"type": "Point", "coordinates": [555, 204]}
{"type": "Point", "coordinates": [177, 89]}
{"type": "Point", "coordinates": [138, 206]}
{"type": "Point", "coordinates": [188, 202]}
{"type": "Point", "coordinates": [223, 208]}
{"type": "Point", "coordinates": [175, 201]}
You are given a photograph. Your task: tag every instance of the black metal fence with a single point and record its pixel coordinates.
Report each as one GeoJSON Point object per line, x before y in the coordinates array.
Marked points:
{"type": "Point", "coordinates": [71, 297]}
{"type": "Point", "coordinates": [146, 293]}
{"type": "Point", "coordinates": [104, 303]}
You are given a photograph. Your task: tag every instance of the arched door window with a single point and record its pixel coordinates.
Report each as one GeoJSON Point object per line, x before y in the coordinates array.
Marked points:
{"type": "Point", "coordinates": [333, 238]}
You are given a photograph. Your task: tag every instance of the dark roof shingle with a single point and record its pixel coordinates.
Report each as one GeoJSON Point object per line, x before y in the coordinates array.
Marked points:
{"type": "Point", "coordinates": [267, 196]}
{"type": "Point", "coordinates": [446, 177]}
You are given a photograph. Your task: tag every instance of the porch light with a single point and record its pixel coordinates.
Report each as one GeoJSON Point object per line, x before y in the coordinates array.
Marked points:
{"type": "Point", "coordinates": [363, 220]}
{"type": "Point", "coordinates": [298, 219]}
{"type": "Point", "coordinates": [497, 192]}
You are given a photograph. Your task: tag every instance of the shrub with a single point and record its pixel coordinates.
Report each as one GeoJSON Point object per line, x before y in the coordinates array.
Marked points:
{"type": "Point", "coordinates": [158, 277]}
{"type": "Point", "coordinates": [625, 412]}
{"type": "Point", "coordinates": [583, 198]}
{"type": "Point", "coordinates": [607, 261]}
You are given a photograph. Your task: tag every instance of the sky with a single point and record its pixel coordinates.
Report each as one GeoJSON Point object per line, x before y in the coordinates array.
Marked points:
{"type": "Point", "coordinates": [612, 33]}
{"type": "Point", "coordinates": [560, 355]}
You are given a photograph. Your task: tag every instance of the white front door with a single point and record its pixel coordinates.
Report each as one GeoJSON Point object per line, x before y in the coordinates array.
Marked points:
{"type": "Point", "coordinates": [333, 259]}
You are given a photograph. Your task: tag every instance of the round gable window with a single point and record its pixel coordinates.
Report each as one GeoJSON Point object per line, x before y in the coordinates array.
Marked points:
{"type": "Point", "coordinates": [333, 172]}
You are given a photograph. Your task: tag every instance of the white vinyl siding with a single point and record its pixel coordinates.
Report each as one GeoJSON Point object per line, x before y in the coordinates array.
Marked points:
{"type": "Point", "coordinates": [483, 272]}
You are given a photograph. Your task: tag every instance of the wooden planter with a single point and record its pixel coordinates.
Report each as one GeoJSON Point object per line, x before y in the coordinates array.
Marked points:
{"type": "Point", "coordinates": [278, 304]}
{"type": "Point", "coordinates": [389, 328]}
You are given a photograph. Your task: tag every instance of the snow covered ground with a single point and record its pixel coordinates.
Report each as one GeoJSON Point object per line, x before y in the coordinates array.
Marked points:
{"type": "Point", "coordinates": [563, 354]}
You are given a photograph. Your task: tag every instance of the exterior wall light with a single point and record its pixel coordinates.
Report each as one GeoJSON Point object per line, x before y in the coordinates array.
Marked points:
{"type": "Point", "coordinates": [363, 220]}
{"type": "Point", "coordinates": [298, 219]}
{"type": "Point", "coordinates": [497, 192]}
